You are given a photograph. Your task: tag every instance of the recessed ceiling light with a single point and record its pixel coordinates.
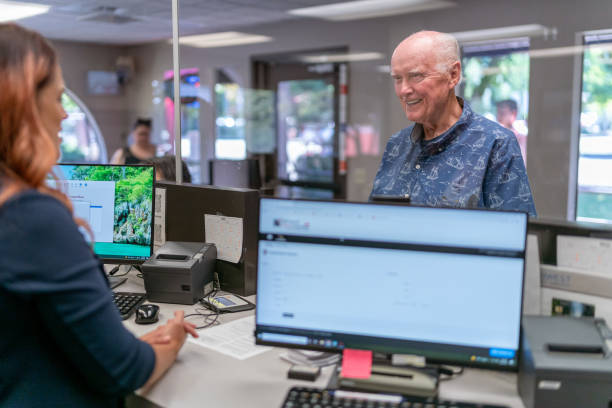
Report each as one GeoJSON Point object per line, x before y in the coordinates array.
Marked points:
{"type": "Point", "coordinates": [13, 11]}
{"type": "Point", "coordinates": [351, 57]}
{"type": "Point", "coordinates": [354, 10]}
{"type": "Point", "coordinates": [223, 39]}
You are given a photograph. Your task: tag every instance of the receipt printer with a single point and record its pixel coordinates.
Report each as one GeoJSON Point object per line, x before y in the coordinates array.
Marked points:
{"type": "Point", "coordinates": [180, 272]}
{"type": "Point", "coordinates": [565, 362]}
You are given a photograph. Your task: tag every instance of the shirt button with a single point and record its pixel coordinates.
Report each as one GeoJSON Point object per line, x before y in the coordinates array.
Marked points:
{"type": "Point", "coordinates": [418, 166]}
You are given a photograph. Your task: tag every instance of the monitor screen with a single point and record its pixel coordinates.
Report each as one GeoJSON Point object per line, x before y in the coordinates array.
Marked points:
{"type": "Point", "coordinates": [438, 282]}
{"type": "Point", "coordinates": [117, 203]}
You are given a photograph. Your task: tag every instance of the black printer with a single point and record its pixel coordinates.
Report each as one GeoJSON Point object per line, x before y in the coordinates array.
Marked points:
{"type": "Point", "coordinates": [566, 362]}
{"type": "Point", "coordinates": [180, 272]}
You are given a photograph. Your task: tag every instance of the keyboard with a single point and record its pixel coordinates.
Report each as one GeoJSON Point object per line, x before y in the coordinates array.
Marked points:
{"type": "Point", "coordinates": [127, 302]}
{"type": "Point", "coordinates": [303, 397]}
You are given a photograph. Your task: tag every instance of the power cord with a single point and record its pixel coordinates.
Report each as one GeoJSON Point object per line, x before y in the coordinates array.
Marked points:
{"type": "Point", "coordinates": [447, 372]}
{"type": "Point", "coordinates": [208, 312]}
{"type": "Point", "coordinates": [113, 272]}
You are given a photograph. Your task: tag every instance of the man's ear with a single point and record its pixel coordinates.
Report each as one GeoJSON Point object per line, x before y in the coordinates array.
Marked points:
{"type": "Point", "coordinates": [454, 74]}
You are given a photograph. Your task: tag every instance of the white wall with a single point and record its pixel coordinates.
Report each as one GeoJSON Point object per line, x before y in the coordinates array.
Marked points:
{"type": "Point", "coordinates": [109, 111]}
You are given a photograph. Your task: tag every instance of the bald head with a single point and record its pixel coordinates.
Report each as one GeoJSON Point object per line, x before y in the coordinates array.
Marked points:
{"type": "Point", "coordinates": [425, 69]}
{"type": "Point", "coordinates": [443, 47]}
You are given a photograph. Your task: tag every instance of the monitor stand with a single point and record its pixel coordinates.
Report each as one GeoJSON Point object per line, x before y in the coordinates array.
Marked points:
{"type": "Point", "coordinates": [420, 382]}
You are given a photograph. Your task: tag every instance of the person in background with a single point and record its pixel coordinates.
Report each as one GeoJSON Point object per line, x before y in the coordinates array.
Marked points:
{"type": "Point", "coordinates": [450, 156]}
{"type": "Point", "coordinates": [141, 149]}
{"type": "Point", "coordinates": [507, 110]}
{"type": "Point", "coordinates": [63, 343]}
{"type": "Point", "coordinates": [165, 169]}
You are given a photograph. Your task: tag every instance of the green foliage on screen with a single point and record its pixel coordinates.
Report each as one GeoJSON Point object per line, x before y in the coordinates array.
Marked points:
{"type": "Point", "coordinates": [133, 199]}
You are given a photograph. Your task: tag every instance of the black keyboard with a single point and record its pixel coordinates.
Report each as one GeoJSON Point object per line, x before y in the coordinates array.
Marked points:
{"type": "Point", "coordinates": [302, 397]}
{"type": "Point", "coordinates": [127, 302]}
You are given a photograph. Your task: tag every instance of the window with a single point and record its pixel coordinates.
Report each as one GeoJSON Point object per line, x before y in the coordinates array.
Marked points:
{"type": "Point", "coordinates": [594, 201]}
{"type": "Point", "coordinates": [244, 121]}
{"type": "Point", "coordinates": [230, 142]}
{"type": "Point", "coordinates": [307, 129]}
{"type": "Point", "coordinates": [82, 141]}
{"type": "Point", "coordinates": [496, 83]}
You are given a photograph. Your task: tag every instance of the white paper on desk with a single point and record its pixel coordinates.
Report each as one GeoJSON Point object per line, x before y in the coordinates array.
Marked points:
{"type": "Point", "coordinates": [159, 231]}
{"type": "Point", "coordinates": [226, 234]}
{"type": "Point", "coordinates": [234, 339]}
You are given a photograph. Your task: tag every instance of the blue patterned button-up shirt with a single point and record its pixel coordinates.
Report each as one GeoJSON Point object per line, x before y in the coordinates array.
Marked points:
{"type": "Point", "coordinates": [475, 163]}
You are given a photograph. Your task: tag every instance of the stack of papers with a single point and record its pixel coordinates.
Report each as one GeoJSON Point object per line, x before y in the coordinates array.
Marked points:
{"type": "Point", "coordinates": [234, 339]}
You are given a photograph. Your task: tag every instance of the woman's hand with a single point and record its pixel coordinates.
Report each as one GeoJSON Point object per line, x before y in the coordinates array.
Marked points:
{"type": "Point", "coordinates": [174, 329]}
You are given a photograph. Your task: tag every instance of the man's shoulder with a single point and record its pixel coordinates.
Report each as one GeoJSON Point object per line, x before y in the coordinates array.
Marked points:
{"type": "Point", "coordinates": [480, 123]}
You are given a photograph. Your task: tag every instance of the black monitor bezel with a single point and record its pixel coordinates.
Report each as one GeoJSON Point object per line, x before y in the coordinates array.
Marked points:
{"type": "Point", "coordinates": [124, 261]}
{"type": "Point", "coordinates": [433, 360]}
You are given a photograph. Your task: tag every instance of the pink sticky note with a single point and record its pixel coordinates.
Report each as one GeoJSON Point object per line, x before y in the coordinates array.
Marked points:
{"type": "Point", "coordinates": [356, 363]}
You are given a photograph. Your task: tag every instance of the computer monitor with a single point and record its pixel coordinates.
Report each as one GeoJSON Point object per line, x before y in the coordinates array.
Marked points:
{"type": "Point", "coordinates": [442, 283]}
{"type": "Point", "coordinates": [117, 203]}
{"type": "Point", "coordinates": [235, 173]}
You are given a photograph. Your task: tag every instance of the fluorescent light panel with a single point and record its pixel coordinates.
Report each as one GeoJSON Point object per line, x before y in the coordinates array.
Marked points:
{"type": "Point", "coordinates": [13, 11]}
{"type": "Point", "coordinates": [352, 57]}
{"type": "Point", "coordinates": [223, 39]}
{"type": "Point", "coordinates": [526, 30]}
{"type": "Point", "coordinates": [354, 10]}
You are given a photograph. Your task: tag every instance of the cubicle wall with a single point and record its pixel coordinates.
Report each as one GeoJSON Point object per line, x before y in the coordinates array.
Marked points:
{"type": "Point", "coordinates": [186, 206]}
{"type": "Point", "coordinates": [547, 231]}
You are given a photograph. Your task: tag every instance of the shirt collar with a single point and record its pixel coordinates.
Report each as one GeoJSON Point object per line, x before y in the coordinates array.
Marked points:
{"type": "Point", "coordinates": [440, 142]}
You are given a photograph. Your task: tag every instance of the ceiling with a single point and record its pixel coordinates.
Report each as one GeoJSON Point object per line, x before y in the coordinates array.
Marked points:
{"type": "Point", "coordinates": [140, 21]}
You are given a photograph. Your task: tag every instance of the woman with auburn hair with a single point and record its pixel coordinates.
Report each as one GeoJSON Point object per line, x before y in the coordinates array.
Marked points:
{"type": "Point", "coordinates": [63, 342]}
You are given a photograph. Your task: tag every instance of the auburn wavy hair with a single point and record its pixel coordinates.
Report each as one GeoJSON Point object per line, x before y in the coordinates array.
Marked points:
{"type": "Point", "coordinates": [27, 151]}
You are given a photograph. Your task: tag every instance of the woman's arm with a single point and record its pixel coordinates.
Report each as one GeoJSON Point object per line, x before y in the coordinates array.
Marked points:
{"type": "Point", "coordinates": [166, 341]}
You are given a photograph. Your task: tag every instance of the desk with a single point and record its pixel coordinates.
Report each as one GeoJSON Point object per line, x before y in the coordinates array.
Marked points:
{"type": "Point", "coordinates": [202, 377]}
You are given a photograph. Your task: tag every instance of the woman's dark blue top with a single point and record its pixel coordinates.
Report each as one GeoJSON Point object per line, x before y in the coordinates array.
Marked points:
{"type": "Point", "coordinates": [62, 342]}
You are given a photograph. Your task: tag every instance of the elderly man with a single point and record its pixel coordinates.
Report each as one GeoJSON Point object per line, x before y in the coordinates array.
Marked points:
{"type": "Point", "coordinates": [451, 156]}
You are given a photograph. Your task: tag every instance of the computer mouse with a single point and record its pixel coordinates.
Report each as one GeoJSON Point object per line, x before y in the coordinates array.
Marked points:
{"type": "Point", "coordinates": [147, 314]}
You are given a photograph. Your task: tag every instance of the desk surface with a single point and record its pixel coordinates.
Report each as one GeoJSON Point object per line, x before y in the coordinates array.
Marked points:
{"type": "Point", "coordinates": [203, 377]}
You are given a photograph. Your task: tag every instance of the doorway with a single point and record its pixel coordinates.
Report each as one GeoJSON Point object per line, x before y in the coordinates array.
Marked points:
{"type": "Point", "coordinates": [306, 160]}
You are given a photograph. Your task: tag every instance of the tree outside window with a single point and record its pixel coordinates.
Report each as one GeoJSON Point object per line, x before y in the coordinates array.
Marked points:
{"type": "Point", "coordinates": [496, 83]}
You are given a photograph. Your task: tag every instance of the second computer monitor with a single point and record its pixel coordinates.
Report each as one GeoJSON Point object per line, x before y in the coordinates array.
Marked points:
{"type": "Point", "coordinates": [117, 203]}
{"type": "Point", "coordinates": [442, 283]}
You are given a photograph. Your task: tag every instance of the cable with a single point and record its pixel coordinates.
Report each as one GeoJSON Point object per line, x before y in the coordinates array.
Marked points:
{"type": "Point", "coordinates": [447, 372]}
{"type": "Point", "coordinates": [210, 319]}
{"type": "Point", "coordinates": [113, 272]}
{"type": "Point", "coordinates": [208, 312]}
